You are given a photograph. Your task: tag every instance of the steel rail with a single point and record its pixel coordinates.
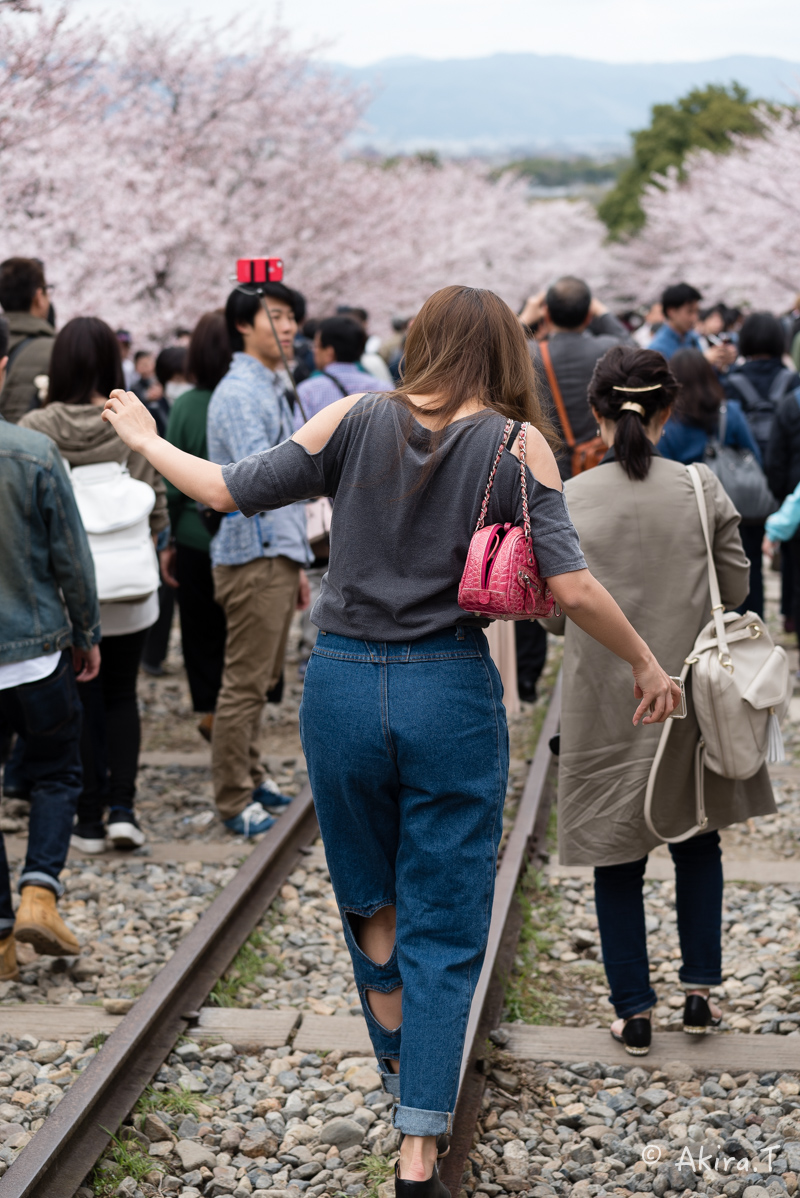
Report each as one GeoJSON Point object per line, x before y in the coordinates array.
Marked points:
{"type": "Point", "coordinates": [524, 843]}
{"type": "Point", "coordinates": [74, 1137]}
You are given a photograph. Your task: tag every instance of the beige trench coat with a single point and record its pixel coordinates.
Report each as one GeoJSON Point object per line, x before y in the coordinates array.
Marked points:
{"type": "Point", "coordinates": [644, 542]}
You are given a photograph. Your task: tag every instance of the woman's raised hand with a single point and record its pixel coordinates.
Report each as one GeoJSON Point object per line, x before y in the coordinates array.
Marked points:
{"type": "Point", "coordinates": [659, 695]}
{"type": "Point", "coordinates": [131, 420]}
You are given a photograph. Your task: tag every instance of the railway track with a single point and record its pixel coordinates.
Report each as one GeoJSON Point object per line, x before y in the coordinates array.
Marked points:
{"type": "Point", "coordinates": [65, 1149]}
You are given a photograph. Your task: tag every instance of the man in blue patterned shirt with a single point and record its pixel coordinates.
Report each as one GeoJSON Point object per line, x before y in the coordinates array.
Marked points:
{"type": "Point", "coordinates": [258, 562]}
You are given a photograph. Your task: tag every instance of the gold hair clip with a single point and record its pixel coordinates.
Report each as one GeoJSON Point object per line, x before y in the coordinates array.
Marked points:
{"type": "Point", "coordinates": [634, 390]}
{"type": "Point", "coordinates": [632, 407]}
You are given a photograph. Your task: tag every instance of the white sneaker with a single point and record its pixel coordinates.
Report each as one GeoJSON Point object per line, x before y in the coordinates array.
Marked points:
{"type": "Point", "coordinates": [89, 838]}
{"type": "Point", "coordinates": [123, 830]}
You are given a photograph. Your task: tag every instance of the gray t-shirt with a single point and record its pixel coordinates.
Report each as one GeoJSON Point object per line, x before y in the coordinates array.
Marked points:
{"type": "Point", "coordinates": [403, 516]}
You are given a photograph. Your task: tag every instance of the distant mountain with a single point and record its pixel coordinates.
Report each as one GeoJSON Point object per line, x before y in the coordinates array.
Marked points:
{"type": "Point", "coordinates": [508, 103]}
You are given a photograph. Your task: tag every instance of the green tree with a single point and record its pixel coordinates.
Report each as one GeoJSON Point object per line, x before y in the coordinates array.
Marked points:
{"type": "Point", "coordinates": [704, 119]}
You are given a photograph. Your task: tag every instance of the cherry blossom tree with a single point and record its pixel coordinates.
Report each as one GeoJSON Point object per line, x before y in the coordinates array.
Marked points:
{"type": "Point", "coordinates": [732, 228]}
{"type": "Point", "coordinates": [138, 164]}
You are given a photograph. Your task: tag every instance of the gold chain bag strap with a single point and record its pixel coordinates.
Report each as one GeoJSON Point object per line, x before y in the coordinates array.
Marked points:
{"type": "Point", "coordinates": [740, 692]}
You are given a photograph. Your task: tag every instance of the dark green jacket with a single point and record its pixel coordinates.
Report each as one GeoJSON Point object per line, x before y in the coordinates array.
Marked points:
{"type": "Point", "coordinates": [19, 393]}
{"type": "Point", "coordinates": [187, 430]}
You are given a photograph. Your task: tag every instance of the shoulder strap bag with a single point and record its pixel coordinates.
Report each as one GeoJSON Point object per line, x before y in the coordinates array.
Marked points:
{"type": "Point", "coordinates": [740, 474]}
{"type": "Point", "coordinates": [740, 692]}
{"type": "Point", "coordinates": [501, 577]}
{"type": "Point", "coordinates": [586, 454]}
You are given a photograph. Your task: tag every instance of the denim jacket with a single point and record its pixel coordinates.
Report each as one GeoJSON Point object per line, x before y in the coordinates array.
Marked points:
{"type": "Point", "coordinates": [47, 565]}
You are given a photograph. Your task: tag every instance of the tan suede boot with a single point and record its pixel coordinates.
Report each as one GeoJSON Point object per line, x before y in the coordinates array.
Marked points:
{"type": "Point", "coordinates": [38, 923]}
{"type": "Point", "coordinates": [8, 959]}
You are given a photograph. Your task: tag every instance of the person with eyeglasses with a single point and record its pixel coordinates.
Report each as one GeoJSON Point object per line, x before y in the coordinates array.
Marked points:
{"type": "Point", "coordinates": [25, 298]}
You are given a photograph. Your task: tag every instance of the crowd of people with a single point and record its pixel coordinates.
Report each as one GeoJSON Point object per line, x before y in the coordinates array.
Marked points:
{"type": "Point", "coordinates": [262, 464]}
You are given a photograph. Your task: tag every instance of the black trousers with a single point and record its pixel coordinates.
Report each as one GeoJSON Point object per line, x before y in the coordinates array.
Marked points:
{"type": "Point", "coordinates": [202, 626]}
{"type": "Point", "coordinates": [157, 640]}
{"type": "Point", "coordinates": [752, 537]}
{"type": "Point", "coordinates": [792, 551]}
{"type": "Point", "coordinates": [111, 732]}
{"type": "Point", "coordinates": [531, 653]}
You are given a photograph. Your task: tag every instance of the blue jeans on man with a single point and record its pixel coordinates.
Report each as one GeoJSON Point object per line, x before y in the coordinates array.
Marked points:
{"type": "Point", "coordinates": [47, 716]}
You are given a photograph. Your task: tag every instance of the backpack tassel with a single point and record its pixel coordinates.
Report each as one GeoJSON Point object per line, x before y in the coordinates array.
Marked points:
{"type": "Point", "coordinates": [775, 750]}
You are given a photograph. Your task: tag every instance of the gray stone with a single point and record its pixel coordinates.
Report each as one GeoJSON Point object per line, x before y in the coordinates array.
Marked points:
{"type": "Point", "coordinates": [341, 1133]}
{"type": "Point", "coordinates": [289, 1080]}
{"type": "Point", "coordinates": [681, 1178]}
{"type": "Point", "coordinates": [756, 1192]}
{"type": "Point", "coordinates": [651, 1099]}
{"type": "Point", "coordinates": [155, 1128]}
{"type": "Point", "coordinates": [194, 1156]}
{"type": "Point", "coordinates": [188, 1128]}
{"type": "Point", "coordinates": [126, 1188]}
{"type": "Point", "coordinates": [791, 1150]}
{"type": "Point", "coordinates": [712, 1089]}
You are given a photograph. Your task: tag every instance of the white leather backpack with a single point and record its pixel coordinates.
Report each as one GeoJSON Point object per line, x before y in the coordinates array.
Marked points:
{"type": "Point", "coordinates": [115, 510]}
{"type": "Point", "coordinates": [740, 690]}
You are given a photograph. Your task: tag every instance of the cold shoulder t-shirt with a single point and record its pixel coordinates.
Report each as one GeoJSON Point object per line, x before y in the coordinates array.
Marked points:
{"type": "Point", "coordinates": [403, 515]}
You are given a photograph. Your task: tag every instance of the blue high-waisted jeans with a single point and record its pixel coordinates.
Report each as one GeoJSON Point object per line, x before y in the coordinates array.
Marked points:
{"type": "Point", "coordinates": [407, 752]}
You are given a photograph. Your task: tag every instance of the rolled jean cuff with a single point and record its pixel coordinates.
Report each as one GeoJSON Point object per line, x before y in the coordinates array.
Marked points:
{"type": "Point", "coordinates": [413, 1121]}
{"type": "Point", "coordinates": [632, 1009]}
{"type": "Point", "coordinates": [35, 877]}
{"type": "Point", "coordinates": [693, 978]}
{"type": "Point", "coordinates": [391, 1083]}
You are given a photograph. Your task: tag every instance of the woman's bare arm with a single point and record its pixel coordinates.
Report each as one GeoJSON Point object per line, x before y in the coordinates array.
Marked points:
{"type": "Point", "coordinates": [193, 476]}
{"type": "Point", "coordinates": [589, 605]}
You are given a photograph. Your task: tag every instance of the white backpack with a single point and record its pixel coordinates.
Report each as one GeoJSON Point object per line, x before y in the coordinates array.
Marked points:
{"type": "Point", "coordinates": [115, 510]}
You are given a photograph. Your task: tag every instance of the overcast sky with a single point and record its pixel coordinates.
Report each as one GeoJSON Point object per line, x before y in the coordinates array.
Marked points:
{"type": "Point", "coordinates": [364, 31]}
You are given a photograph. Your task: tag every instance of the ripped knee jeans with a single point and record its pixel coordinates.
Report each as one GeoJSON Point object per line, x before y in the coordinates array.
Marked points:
{"type": "Point", "coordinates": [407, 752]}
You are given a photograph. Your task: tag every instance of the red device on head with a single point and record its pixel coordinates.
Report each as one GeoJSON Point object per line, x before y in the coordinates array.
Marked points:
{"type": "Point", "coordinates": [259, 270]}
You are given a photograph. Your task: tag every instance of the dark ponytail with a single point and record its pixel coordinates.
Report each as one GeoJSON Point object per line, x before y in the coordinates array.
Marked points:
{"type": "Point", "coordinates": [626, 375]}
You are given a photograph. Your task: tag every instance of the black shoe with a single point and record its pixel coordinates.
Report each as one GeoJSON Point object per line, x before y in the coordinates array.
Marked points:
{"type": "Point", "coordinates": [636, 1035]}
{"type": "Point", "coordinates": [526, 691]}
{"type": "Point", "coordinates": [89, 837]}
{"type": "Point", "coordinates": [432, 1188]}
{"type": "Point", "coordinates": [123, 830]}
{"type": "Point", "coordinates": [697, 1017]}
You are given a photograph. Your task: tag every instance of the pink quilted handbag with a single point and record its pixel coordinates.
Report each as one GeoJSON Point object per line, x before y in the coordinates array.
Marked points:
{"type": "Point", "coordinates": [501, 578]}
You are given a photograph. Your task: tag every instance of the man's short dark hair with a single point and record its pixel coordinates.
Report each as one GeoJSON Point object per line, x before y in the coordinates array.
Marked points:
{"type": "Point", "coordinates": [345, 336]}
{"type": "Point", "coordinates": [4, 334]}
{"type": "Point", "coordinates": [244, 302]}
{"type": "Point", "coordinates": [677, 295]}
{"type": "Point", "coordinates": [20, 279]}
{"type": "Point", "coordinates": [141, 353]}
{"type": "Point", "coordinates": [360, 314]}
{"type": "Point", "coordinates": [762, 335]}
{"type": "Point", "coordinates": [568, 302]}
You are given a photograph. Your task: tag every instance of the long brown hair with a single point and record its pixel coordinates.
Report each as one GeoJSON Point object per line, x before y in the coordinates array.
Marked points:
{"type": "Point", "coordinates": [465, 345]}
{"type": "Point", "coordinates": [701, 394]}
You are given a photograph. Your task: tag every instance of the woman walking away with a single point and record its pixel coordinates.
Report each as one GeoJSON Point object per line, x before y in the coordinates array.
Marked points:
{"type": "Point", "coordinates": [402, 722]}
{"type": "Point", "coordinates": [187, 564]}
{"type": "Point", "coordinates": [699, 413]}
{"type": "Point", "coordinates": [84, 369]}
{"type": "Point", "coordinates": [641, 533]}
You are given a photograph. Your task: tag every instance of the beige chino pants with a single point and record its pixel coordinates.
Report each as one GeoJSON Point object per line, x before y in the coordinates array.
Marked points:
{"type": "Point", "coordinates": [259, 600]}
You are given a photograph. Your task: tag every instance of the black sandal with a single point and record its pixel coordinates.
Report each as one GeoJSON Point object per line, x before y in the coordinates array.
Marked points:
{"type": "Point", "coordinates": [636, 1036]}
{"type": "Point", "coordinates": [697, 1017]}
